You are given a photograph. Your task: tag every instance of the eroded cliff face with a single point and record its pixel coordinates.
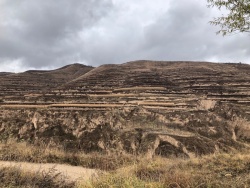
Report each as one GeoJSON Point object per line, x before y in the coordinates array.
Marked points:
{"type": "Point", "coordinates": [215, 127]}
{"type": "Point", "coordinates": [143, 107]}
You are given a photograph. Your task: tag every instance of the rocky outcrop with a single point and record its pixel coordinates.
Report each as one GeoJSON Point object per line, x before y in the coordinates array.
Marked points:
{"type": "Point", "coordinates": [135, 131]}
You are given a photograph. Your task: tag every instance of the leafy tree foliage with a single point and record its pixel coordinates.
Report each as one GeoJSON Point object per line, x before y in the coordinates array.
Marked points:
{"type": "Point", "coordinates": [237, 19]}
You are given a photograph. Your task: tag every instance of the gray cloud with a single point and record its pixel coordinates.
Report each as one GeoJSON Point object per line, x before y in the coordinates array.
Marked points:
{"type": "Point", "coordinates": [183, 33]}
{"type": "Point", "coordinates": [48, 34]}
{"type": "Point", "coordinates": [45, 33]}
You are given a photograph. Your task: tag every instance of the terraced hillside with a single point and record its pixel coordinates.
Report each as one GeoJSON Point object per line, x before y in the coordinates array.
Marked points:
{"type": "Point", "coordinates": [155, 108]}
{"type": "Point", "coordinates": [22, 86]}
{"type": "Point", "coordinates": [169, 84]}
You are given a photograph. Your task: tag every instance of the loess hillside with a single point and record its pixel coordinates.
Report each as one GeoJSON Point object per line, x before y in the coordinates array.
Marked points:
{"type": "Point", "coordinates": [156, 108]}
{"type": "Point", "coordinates": [16, 87]}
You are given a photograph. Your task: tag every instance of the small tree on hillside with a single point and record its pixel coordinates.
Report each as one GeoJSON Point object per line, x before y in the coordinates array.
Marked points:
{"type": "Point", "coordinates": [237, 19]}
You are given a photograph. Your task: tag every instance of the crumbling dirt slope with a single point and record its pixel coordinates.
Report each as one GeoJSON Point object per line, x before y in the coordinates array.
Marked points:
{"type": "Point", "coordinates": [156, 108]}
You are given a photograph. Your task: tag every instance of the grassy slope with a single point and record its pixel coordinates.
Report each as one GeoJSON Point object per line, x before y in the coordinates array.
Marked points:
{"type": "Point", "coordinates": [218, 170]}
{"type": "Point", "coordinates": [23, 152]}
{"type": "Point", "coordinates": [222, 170]}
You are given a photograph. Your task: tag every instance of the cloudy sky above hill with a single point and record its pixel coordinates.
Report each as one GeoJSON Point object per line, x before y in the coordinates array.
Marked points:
{"type": "Point", "coordinates": [45, 34]}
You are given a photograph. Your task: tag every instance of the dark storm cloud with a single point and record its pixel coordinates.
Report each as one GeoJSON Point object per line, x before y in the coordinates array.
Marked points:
{"type": "Point", "coordinates": [43, 33]}
{"type": "Point", "coordinates": [49, 34]}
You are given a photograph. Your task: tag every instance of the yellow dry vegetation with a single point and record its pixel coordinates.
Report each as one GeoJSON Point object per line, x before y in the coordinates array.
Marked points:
{"type": "Point", "coordinates": [23, 106]}
{"type": "Point", "coordinates": [156, 103]}
{"type": "Point", "coordinates": [139, 88]}
{"type": "Point", "coordinates": [87, 105]}
{"type": "Point", "coordinates": [61, 105]}
{"type": "Point", "coordinates": [220, 170]}
{"type": "Point", "coordinates": [113, 95]}
{"type": "Point", "coordinates": [215, 170]}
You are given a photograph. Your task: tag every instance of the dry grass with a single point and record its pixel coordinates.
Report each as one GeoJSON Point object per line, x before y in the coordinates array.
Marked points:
{"type": "Point", "coordinates": [23, 106]}
{"type": "Point", "coordinates": [87, 105]}
{"type": "Point", "coordinates": [23, 152]}
{"type": "Point", "coordinates": [149, 103]}
{"type": "Point", "coordinates": [62, 105]}
{"type": "Point", "coordinates": [218, 170]}
{"type": "Point", "coordinates": [139, 88]}
{"type": "Point", "coordinates": [112, 95]}
{"type": "Point", "coordinates": [222, 170]}
{"type": "Point", "coordinates": [12, 177]}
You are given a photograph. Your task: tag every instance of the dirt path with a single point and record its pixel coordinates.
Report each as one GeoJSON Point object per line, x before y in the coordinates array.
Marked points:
{"type": "Point", "coordinates": [72, 173]}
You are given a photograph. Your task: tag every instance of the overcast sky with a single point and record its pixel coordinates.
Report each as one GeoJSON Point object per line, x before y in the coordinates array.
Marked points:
{"type": "Point", "coordinates": [46, 34]}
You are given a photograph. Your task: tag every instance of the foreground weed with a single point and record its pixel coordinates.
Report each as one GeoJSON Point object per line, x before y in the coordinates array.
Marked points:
{"type": "Point", "coordinates": [14, 151]}
{"type": "Point", "coordinates": [15, 177]}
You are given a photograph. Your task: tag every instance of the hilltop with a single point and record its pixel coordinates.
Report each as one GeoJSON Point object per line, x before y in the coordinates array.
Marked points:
{"type": "Point", "coordinates": [18, 85]}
